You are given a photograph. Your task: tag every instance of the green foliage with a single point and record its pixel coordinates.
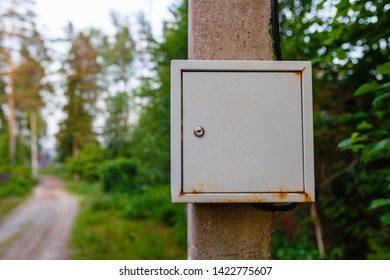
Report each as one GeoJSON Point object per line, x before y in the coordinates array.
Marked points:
{"type": "Point", "coordinates": [105, 229]}
{"type": "Point", "coordinates": [4, 152]}
{"type": "Point", "coordinates": [86, 164]}
{"type": "Point", "coordinates": [17, 186]}
{"type": "Point", "coordinates": [297, 248]}
{"type": "Point", "coordinates": [28, 81]}
{"type": "Point", "coordinates": [116, 132]}
{"type": "Point", "coordinates": [120, 175]}
{"type": "Point", "coordinates": [154, 203]}
{"type": "Point", "coordinates": [82, 72]}
{"type": "Point", "coordinates": [349, 52]}
{"type": "Point", "coordinates": [371, 142]}
{"type": "Point", "coordinates": [150, 141]}
{"type": "Point", "coordinates": [14, 191]}
{"type": "Point", "coordinates": [118, 53]}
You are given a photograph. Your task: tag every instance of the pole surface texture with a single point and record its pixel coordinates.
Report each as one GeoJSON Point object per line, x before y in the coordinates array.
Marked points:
{"type": "Point", "coordinates": [229, 30]}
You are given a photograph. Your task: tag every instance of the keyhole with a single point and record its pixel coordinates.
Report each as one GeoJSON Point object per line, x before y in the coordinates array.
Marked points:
{"type": "Point", "coordinates": [199, 131]}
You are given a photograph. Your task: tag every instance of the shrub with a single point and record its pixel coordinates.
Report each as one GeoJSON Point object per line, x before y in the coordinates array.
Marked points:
{"type": "Point", "coordinates": [86, 164]}
{"type": "Point", "coordinates": [155, 203]}
{"type": "Point", "coordinates": [17, 186]}
{"type": "Point", "coordinates": [120, 175]}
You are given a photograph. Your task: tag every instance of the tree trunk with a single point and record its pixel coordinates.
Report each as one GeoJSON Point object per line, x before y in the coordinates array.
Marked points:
{"type": "Point", "coordinates": [34, 144]}
{"type": "Point", "coordinates": [11, 108]}
{"type": "Point", "coordinates": [318, 229]}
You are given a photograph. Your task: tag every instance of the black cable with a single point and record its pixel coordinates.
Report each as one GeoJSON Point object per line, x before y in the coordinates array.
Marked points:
{"type": "Point", "coordinates": [275, 207]}
{"type": "Point", "coordinates": [275, 29]}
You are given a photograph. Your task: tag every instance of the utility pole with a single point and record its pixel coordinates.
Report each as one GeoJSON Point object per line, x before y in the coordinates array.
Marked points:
{"type": "Point", "coordinates": [229, 30]}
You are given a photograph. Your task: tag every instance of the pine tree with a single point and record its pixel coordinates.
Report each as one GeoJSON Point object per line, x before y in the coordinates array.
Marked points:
{"type": "Point", "coordinates": [82, 73]}
{"type": "Point", "coordinates": [28, 86]}
{"type": "Point", "coordinates": [150, 140]}
{"type": "Point", "coordinates": [118, 53]}
{"type": "Point", "coordinates": [16, 27]}
{"type": "Point", "coordinates": [117, 128]}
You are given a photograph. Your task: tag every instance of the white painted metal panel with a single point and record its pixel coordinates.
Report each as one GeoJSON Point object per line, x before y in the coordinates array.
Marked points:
{"type": "Point", "coordinates": [257, 144]}
{"type": "Point", "coordinates": [251, 142]}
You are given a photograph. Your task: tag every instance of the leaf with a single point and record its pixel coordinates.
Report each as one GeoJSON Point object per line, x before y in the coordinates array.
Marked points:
{"type": "Point", "coordinates": [341, 54]}
{"type": "Point", "coordinates": [350, 144]}
{"type": "Point", "coordinates": [378, 203]}
{"type": "Point", "coordinates": [366, 88]}
{"type": "Point", "coordinates": [329, 41]}
{"type": "Point", "coordinates": [379, 99]}
{"type": "Point", "coordinates": [364, 125]}
{"type": "Point", "coordinates": [376, 150]}
{"type": "Point", "coordinates": [345, 144]}
{"type": "Point", "coordinates": [383, 69]}
{"type": "Point", "coordinates": [354, 136]}
{"type": "Point", "coordinates": [385, 218]}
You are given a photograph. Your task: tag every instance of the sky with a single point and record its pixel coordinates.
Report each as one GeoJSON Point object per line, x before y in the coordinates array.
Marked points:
{"type": "Point", "coordinates": [54, 15]}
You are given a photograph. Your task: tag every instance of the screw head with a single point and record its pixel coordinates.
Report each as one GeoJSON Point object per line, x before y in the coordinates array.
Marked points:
{"type": "Point", "coordinates": [199, 131]}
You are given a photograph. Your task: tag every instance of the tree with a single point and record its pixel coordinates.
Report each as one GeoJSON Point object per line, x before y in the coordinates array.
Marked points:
{"type": "Point", "coordinates": [346, 43]}
{"type": "Point", "coordinates": [82, 73]}
{"type": "Point", "coordinates": [28, 86]}
{"type": "Point", "coordinates": [16, 26]}
{"type": "Point", "coordinates": [371, 142]}
{"type": "Point", "coordinates": [150, 140]}
{"type": "Point", "coordinates": [118, 53]}
{"type": "Point", "coordinates": [116, 132]}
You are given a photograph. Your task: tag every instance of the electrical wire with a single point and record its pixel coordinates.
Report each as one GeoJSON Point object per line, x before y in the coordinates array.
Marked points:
{"type": "Point", "coordinates": [276, 207]}
{"type": "Point", "coordinates": [275, 29]}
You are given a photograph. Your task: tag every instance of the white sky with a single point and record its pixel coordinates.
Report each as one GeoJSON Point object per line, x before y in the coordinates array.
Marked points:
{"type": "Point", "coordinates": [55, 14]}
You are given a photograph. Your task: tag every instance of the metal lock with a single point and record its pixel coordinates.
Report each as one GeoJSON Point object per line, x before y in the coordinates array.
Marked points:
{"type": "Point", "coordinates": [199, 131]}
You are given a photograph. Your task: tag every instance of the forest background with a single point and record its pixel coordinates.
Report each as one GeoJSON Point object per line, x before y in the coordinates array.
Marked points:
{"type": "Point", "coordinates": [113, 143]}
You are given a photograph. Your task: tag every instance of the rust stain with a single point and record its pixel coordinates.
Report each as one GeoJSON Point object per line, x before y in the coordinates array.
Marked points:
{"type": "Point", "coordinates": [255, 200]}
{"type": "Point", "coordinates": [282, 196]}
{"type": "Point", "coordinates": [194, 190]}
{"type": "Point", "coordinates": [197, 189]}
{"type": "Point", "coordinates": [307, 198]}
{"type": "Point", "coordinates": [298, 74]}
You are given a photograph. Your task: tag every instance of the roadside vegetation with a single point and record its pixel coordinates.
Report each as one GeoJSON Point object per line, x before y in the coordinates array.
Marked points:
{"type": "Point", "coordinates": [120, 225]}
{"type": "Point", "coordinates": [114, 138]}
{"type": "Point", "coordinates": [13, 192]}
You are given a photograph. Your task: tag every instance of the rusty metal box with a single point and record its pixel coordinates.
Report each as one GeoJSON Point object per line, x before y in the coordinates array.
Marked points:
{"type": "Point", "coordinates": [241, 131]}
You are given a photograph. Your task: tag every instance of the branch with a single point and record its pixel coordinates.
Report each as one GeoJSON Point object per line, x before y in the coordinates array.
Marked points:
{"type": "Point", "coordinates": [338, 174]}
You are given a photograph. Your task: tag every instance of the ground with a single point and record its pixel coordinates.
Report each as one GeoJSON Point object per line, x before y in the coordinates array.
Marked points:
{"type": "Point", "coordinates": [41, 227]}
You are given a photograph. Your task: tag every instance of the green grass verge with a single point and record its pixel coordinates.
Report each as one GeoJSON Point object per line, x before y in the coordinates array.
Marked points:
{"type": "Point", "coordinates": [142, 226]}
{"type": "Point", "coordinates": [56, 169]}
{"type": "Point", "coordinates": [14, 193]}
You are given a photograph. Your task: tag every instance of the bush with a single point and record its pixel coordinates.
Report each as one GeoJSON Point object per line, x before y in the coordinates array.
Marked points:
{"type": "Point", "coordinates": [117, 225]}
{"type": "Point", "coordinates": [120, 175]}
{"type": "Point", "coordinates": [86, 164]}
{"type": "Point", "coordinates": [155, 203]}
{"type": "Point", "coordinates": [17, 186]}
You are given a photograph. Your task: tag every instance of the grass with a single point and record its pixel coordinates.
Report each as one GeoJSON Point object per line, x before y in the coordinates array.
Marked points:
{"type": "Point", "coordinates": [56, 169]}
{"type": "Point", "coordinates": [9, 203]}
{"type": "Point", "coordinates": [14, 193]}
{"type": "Point", "coordinates": [143, 225]}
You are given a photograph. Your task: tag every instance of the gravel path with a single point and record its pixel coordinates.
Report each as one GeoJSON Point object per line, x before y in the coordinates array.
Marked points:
{"type": "Point", "coordinates": [40, 228]}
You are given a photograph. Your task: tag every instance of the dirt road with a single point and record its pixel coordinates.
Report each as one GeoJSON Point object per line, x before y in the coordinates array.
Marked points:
{"type": "Point", "coordinates": [41, 227]}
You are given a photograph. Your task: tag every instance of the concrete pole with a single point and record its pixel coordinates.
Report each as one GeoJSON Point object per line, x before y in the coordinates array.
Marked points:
{"type": "Point", "coordinates": [229, 30]}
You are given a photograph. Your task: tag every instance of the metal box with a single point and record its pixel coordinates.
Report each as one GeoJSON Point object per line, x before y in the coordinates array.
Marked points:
{"type": "Point", "coordinates": [241, 131]}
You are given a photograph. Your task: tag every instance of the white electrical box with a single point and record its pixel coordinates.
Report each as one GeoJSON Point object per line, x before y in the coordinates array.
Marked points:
{"type": "Point", "coordinates": [241, 131]}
